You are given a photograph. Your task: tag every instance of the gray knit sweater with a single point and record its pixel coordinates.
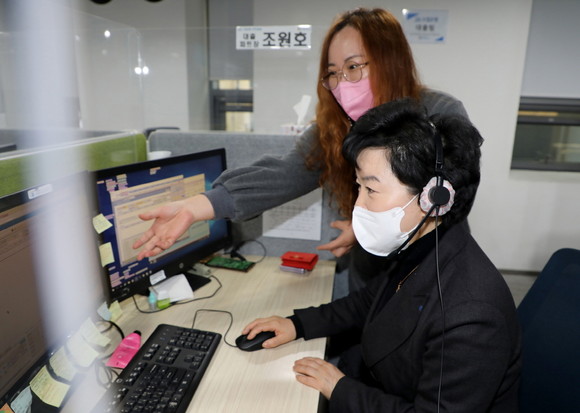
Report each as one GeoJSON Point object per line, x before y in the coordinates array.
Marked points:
{"type": "Point", "coordinates": [271, 181]}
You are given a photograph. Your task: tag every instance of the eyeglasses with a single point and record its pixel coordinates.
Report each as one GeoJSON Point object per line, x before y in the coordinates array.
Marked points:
{"type": "Point", "coordinates": [351, 71]}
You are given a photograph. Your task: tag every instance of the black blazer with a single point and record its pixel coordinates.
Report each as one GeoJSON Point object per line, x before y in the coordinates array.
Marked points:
{"type": "Point", "coordinates": [402, 343]}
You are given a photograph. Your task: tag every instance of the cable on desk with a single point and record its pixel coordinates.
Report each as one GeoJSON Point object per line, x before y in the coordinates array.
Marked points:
{"type": "Point", "coordinates": [180, 302]}
{"type": "Point", "coordinates": [112, 324]}
{"type": "Point", "coordinates": [235, 254]}
{"type": "Point", "coordinates": [108, 373]}
{"type": "Point", "coordinates": [217, 311]}
{"type": "Point", "coordinates": [146, 311]}
{"type": "Point", "coordinates": [101, 365]}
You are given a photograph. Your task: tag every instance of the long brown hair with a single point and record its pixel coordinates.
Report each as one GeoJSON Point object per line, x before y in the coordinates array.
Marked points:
{"type": "Point", "coordinates": [392, 76]}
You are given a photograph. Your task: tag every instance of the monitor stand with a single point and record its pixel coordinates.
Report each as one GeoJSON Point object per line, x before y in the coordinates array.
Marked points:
{"type": "Point", "coordinates": [196, 281]}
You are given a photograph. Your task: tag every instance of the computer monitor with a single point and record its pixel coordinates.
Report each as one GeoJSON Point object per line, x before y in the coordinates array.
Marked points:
{"type": "Point", "coordinates": [50, 277]}
{"type": "Point", "coordinates": [126, 191]}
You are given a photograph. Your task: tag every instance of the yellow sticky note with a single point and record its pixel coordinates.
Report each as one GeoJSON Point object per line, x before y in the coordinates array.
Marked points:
{"type": "Point", "coordinates": [47, 389]}
{"type": "Point", "coordinates": [82, 353]}
{"type": "Point", "coordinates": [92, 335]}
{"type": "Point", "coordinates": [101, 224]}
{"type": "Point", "coordinates": [62, 365]}
{"type": "Point", "coordinates": [106, 251]}
{"type": "Point", "coordinates": [115, 310]}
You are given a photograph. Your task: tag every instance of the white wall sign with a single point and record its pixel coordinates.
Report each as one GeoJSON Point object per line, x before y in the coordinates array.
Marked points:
{"type": "Point", "coordinates": [274, 37]}
{"type": "Point", "coordinates": [425, 26]}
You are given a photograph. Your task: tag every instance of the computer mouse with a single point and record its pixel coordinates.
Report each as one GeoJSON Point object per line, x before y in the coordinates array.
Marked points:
{"type": "Point", "coordinates": [254, 344]}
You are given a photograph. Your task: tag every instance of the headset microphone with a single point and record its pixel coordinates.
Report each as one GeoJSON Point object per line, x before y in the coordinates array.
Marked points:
{"type": "Point", "coordinates": [437, 197]}
{"type": "Point", "coordinates": [413, 233]}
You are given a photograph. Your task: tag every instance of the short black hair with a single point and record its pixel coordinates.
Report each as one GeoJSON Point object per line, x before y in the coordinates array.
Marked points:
{"type": "Point", "coordinates": [404, 130]}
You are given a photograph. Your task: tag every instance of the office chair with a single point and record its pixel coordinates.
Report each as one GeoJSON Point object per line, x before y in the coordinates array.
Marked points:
{"type": "Point", "coordinates": [550, 318]}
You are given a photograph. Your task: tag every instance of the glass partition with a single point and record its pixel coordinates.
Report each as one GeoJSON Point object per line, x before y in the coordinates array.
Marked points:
{"type": "Point", "coordinates": [64, 81]}
{"type": "Point", "coordinates": [110, 71]}
{"type": "Point", "coordinates": [263, 91]}
{"type": "Point", "coordinates": [189, 75]}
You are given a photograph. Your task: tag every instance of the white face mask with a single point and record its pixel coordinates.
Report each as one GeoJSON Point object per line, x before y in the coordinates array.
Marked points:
{"type": "Point", "coordinates": [379, 233]}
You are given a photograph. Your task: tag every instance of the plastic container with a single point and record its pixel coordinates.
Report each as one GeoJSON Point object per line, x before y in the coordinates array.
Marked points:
{"type": "Point", "coordinates": [125, 351]}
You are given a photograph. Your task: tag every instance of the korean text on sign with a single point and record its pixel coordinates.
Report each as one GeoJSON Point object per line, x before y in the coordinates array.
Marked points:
{"type": "Point", "coordinates": [425, 26]}
{"type": "Point", "coordinates": [273, 37]}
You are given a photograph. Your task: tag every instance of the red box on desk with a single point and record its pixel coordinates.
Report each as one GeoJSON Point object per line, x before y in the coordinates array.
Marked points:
{"type": "Point", "coordinates": [303, 260]}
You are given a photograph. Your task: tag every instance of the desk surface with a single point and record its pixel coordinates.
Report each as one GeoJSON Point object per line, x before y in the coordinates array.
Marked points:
{"type": "Point", "coordinates": [238, 381]}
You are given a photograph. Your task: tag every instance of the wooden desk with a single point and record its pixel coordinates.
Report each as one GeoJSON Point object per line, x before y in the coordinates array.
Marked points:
{"type": "Point", "coordinates": [238, 381]}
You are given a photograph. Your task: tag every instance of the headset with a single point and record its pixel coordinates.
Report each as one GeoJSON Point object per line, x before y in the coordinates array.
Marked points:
{"type": "Point", "coordinates": [437, 196]}
{"type": "Point", "coordinates": [436, 199]}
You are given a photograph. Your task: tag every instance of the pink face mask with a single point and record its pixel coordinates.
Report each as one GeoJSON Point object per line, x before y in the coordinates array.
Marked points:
{"type": "Point", "coordinates": [354, 98]}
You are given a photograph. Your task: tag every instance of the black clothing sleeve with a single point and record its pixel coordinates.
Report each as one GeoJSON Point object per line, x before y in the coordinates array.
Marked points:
{"type": "Point", "coordinates": [298, 326]}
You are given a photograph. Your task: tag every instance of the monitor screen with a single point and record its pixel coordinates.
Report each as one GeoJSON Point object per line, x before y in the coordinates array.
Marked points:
{"type": "Point", "coordinates": [126, 191]}
{"type": "Point", "coordinates": [50, 277]}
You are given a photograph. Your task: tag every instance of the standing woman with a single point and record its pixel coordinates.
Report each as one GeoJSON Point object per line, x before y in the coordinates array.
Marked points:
{"type": "Point", "coordinates": [365, 61]}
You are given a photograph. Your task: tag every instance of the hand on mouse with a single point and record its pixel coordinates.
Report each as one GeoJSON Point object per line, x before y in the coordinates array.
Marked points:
{"type": "Point", "coordinates": [318, 374]}
{"type": "Point", "coordinates": [282, 327]}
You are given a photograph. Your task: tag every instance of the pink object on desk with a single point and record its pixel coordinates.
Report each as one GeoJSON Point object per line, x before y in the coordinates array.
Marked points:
{"type": "Point", "coordinates": [125, 351]}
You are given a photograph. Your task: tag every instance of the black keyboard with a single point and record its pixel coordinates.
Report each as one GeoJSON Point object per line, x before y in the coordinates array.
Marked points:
{"type": "Point", "coordinates": [163, 376]}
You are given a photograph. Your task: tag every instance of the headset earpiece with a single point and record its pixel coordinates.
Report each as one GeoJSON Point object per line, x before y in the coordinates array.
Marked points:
{"type": "Point", "coordinates": [437, 196]}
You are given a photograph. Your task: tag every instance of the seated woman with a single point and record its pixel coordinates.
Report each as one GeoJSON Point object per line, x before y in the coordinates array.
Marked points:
{"type": "Point", "coordinates": [440, 331]}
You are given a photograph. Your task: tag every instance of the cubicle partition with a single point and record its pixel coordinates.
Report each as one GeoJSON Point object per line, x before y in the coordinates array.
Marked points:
{"type": "Point", "coordinates": [19, 168]}
{"type": "Point", "coordinates": [18, 139]}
